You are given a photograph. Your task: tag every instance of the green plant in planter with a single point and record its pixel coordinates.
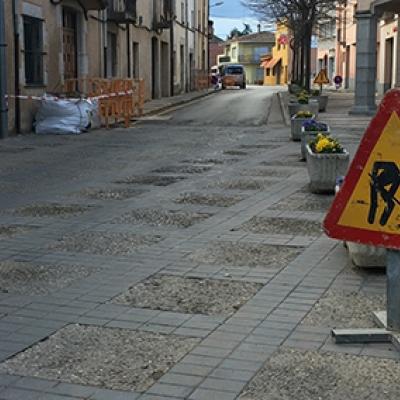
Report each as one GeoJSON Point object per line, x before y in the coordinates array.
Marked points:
{"type": "Point", "coordinates": [324, 144]}
{"type": "Point", "coordinates": [315, 93]}
{"type": "Point", "coordinates": [304, 114]}
{"type": "Point", "coordinates": [303, 97]}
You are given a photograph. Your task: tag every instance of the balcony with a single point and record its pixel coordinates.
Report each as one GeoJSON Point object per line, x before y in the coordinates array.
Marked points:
{"type": "Point", "coordinates": [249, 58]}
{"type": "Point", "coordinates": [121, 11]}
{"type": "Point", "coordinates": [94, 4]}
{"type": "Point", "coordinates": [162, 17]}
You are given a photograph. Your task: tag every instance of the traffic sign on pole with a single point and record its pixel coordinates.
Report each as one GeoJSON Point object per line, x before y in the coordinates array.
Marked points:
{"type": "Point", "coordinates": [367, 208]}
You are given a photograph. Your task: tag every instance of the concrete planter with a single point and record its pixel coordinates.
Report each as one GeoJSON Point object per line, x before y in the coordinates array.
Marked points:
{"type": "Point", "coordinates": [312, 106]}
{"type": "Point", "coordinates": [324, 168]}
{"type": "Point", "coordinates": [296, 127]}
{"type": "Point", "coordinates": [366, 256]}
{"type": "Point", "coordinates": [322, 102]}
{"type": "Point", "coordinates": [306, 137]}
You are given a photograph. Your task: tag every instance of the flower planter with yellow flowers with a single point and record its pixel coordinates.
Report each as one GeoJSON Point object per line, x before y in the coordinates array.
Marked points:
{"type": "Point", "coordinates": [326, 160]}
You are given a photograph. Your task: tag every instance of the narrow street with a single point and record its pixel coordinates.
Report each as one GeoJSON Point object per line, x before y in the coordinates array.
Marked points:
{"type": "Point", "coordinates": [182, 258]}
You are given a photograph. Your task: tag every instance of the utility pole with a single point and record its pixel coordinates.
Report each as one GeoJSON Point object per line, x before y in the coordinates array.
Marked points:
{"type": "Point", "coordinates": [3, 75]}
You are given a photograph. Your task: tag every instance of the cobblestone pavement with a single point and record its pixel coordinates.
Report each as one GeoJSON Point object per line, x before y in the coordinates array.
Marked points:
{"type": "Point", "coordinates": [111, 244]}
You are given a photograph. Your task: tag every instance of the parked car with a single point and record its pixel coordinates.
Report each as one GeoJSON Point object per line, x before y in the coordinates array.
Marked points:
{"type": "Point", "coordinates": [233, 75]}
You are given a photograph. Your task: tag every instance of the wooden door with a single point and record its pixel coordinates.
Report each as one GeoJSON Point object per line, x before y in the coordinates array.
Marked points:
{"type": "Point", "coordinates": [70, 43]}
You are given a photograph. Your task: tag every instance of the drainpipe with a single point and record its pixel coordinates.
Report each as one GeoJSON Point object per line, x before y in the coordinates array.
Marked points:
{"type": "Point", "coordinates": [16, 68]}
{"type": "Point", "coordinates": [171, 40]}
{"type": "Point", "coordinates": [128, 50]}
{"type": "Point", "coordinates": [3, 75]}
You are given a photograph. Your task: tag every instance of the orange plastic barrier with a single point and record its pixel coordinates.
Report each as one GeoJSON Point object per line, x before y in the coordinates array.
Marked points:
{"type": "Point", "coordinates": [119, 99]}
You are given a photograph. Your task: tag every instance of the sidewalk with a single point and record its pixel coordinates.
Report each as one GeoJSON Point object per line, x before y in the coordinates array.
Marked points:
{"type": "Point", "coordinates": [187, 262]}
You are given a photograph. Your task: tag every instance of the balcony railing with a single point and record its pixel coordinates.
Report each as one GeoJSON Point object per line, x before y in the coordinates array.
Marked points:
{"type": "Point", "coordinates": [249, 58]}
{"type": "Point", "coordinates": [122, 11]}
{"type": "Point", "coordinates": [94, 4]}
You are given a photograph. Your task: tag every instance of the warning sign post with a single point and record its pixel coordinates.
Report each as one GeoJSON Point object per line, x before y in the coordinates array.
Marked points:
{"type": "Point", "coordinates": [367, 210]}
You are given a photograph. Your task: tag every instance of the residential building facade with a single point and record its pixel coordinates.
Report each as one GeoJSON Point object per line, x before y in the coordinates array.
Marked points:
{"type": "Point", "coordinates": [326, 52]}
{"type": "Point", "coordinates": [54, 41]}
{"type": "Point", "coordinates": [277, 67]}
{"type": "Point", "coordinates": [368, 53]}
{"type": "Point", "coordinates": [249, 51]}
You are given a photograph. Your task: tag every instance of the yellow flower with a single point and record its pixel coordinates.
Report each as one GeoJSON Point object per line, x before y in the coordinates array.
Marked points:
{"type": "Point", "coordinates": [322, 145]}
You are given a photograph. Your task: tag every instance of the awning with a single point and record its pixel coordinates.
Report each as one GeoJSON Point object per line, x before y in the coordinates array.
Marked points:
{"type": "Point", "coordinates": [271, 63]}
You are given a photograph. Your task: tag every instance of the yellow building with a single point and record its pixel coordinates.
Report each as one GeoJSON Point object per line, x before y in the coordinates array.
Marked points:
{"type": "Point", "coordinates": [276, 68]}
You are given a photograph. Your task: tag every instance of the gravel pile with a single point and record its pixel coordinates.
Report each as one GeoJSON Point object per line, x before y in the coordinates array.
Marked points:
{"type": "Point", "coordinates": [103, 357]}
{"type": "Point", "coordinates": [52, 210]}
{"type": "Point", "coordinates": [110, 194]}
{"type": "Point", "coordinates": [157, 217]}
{"type": "Point", "coordinates": [279, 173]}
{"type": "Point", "coordinates": [7, 231]}
{"type": "Point", "coordinates": [189, 295]}
{"type": "Point", "coordinates": [299, 375]}
{"type": "Point", "coordinates": [246, 254]}
{"type": "Point", "coordinates": [28, 278]}
{"type": "Point", "coordinates": [340, 309]}
{"type": "Point", "coordinates": [210, 199]}
{"type": "Point", "coordinates": [151, 180]}
{"type": "Point", "coordinates": [183, 169]}
{"type": "Point", "coordinates": [243, 184]}
{"type": "Point", "coordinates": [105, 243]}
{"type": "Point", "coordinates": [287, 226]}
{"type": "Point", "coordinates": [235, 153]}
{"type": "Point", "coordinates": [301, 201]}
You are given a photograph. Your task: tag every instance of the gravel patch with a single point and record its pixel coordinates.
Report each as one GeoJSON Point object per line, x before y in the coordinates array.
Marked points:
{"type": "Point", "coordinates": [246, 254]}
{"type": "Point", "coordinates": [105, 243]}
{"type": "Point", "coordinates": [287, 226]}
{"type": "Point", "coordinates": [183, 169]}
{"type": "Point", "coordinates": [243, 184]}
{"type": "Point", "coordinates": [157, 217]}
{"type": "Point", "coordinates": [103, 357]}
{"type": "Point", "coordinates": [279, 173]}
{"type": "Point", "coordinates": [258, 146]}
{"type": "Point", "coordinates": [110, 194]}
{"type": "Point", "coordinates": [235, 153]}
{"type": "Point", "coordinates": [309, 375]}
{"type": "Point", "coordinates": [301, 201]}
{"type": "Point", "coordinates": [189, 295]}
{"type": "Point", "coordinates": [340, 309]}
{"type": "Point", "coordinates": [211, 199]}
{"type": "Point", "coordinates": [52, 210]}
{"type": "Point", "coordinates": [215, 161]}
{"type": "Point", "coordinates": [15, 150]}
{"type": "Point", "coordinates": [151, 180]}
{"type": "Point", "coordinates": [8, 231]}
{"type": "Point", "coordinates": [290, 160]}
{"type": "Point", "coordinates": [29, 278]}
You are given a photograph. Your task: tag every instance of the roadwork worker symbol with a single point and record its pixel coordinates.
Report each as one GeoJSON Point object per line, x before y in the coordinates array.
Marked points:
{"type": "Point", "coordinates": [385, 181]}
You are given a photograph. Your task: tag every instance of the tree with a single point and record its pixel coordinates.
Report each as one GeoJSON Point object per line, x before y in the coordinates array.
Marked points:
{"type": "Point", "coordinates": [301, 17]}
{"type": "Point", "coordinates": [235, 32]}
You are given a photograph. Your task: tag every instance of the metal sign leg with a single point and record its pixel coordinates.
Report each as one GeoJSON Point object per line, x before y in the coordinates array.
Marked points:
{"type": "Point", "coordinates": [389, 321]}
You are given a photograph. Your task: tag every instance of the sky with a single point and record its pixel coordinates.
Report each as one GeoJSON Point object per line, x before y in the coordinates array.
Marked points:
{"type": "Point", "coordinates": [230, 15]}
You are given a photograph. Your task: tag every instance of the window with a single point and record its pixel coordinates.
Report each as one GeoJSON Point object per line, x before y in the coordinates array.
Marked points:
{"type": "Point", "coordinates": [33, 40]}
{"type": "Point", "coordinates": [268, 72]}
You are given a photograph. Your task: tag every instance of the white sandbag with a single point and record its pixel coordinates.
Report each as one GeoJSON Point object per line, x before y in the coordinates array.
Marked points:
{"type": "Point", "coordinates": [63, 117]}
